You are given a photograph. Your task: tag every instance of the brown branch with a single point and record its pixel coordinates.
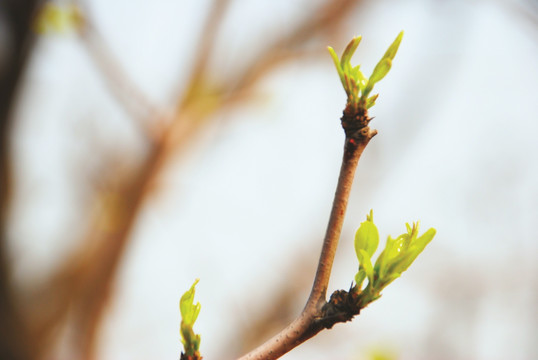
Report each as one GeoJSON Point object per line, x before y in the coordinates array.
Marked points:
{"type": "Point", "coordinates": [207, 41]}
{"type": "Point", "coordinates": [317, 313]}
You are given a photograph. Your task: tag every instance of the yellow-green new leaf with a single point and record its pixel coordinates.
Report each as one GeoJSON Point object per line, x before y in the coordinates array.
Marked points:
{"type": "Point", "coordinates": [388, 279]}
{"type": "Point", "coordinates": [371, 101]}
{"type": "Point", "coordinates": [366, 264]}
{"type": "Point", "coordinates": [366, 238]}
{"type": "Point", "coordinates": [356, 85]}
{"type": "Point", "coordinates": [384, 259]}
{"type": "Point", "coordinates": [337, 65]}
{"type": "Point", "coordinates": [359, 278]}
{"type": "Point", "coordinates": [381, 70]}
{"type": "Point", "coordinates": [349, 51]}
{"type": "Point", "coordinates": [424, 240]}
{"type": "Point", "coordinates": [189, 310]}
{"type": "Point", "coordinates": [189, 314]}
{"type": "Point", "coordinates": [393, 48]}
{"type": "Point", "coordinates": [410, 249]}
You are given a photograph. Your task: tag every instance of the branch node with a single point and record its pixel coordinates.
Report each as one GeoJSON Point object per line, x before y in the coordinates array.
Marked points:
{"type": "Point", "coordinates": [342, 307]}
{"type": "Point", "coordinates": [355, 123]}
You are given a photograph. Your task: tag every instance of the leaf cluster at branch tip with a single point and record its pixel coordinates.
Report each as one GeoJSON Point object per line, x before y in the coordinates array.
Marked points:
{"type": "Point", "coordinates": [356, 85]}
{"type": "Point", "coordinates": [398, 255]}
{"type": "Point", "coordinates": [189, 313]}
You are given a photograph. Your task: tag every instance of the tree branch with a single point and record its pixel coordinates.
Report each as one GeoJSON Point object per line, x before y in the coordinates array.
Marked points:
{"type": "Point", "coordinates": [317, 313]}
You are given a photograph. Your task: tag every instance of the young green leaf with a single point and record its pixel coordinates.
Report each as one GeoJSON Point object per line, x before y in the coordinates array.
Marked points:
{"type": "Point", "coordinates": [398, 255]}
{"type": "Point", "coordinates": [371, 101]}
{"type": "Point", "coordinates": [337, 65]}
{"type": "Point", "coordinates": [189, 313]}
{"type": "Point", "coordinates": [359, 278]}
{"type": "Point", "coordinates": [356, 85]}
{"type": "Point", "coordinates": [403, 251]}
{"type": "Point", "coordinates": [387, 280]}
{"type": "Point", "coordinates": [367, 236]}
{"type": "Point", "coordinates": [380, 71]}
{"type": "Point", "coordinates": [349, 51]}
{"type": "Point", "coordinates": [393, 48]}
{"type": "Point", "coordinates": [389, 253]}
{"type": "Point", "coordinates": [366, 264]}
{"type": "Point", "coordinates": [424, 240]}
{"type": "Point", "coordinates": [414, 249]}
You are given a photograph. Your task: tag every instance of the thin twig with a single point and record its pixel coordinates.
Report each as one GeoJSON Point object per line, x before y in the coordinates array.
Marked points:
{"type": "Point", "coordinates": [306, 326]}
{"type": "Point", "coordinates": [208, 38]}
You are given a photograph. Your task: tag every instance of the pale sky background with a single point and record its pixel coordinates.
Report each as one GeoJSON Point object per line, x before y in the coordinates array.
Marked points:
{"type": "Point", "coordinates": [457, 120]}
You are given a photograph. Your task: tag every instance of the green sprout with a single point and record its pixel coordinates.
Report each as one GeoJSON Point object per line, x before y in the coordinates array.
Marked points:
{"type": "Point", "coordinates": [189, 314]}
{"type": "Point", "coordinates": [356, 85]}
{"type": "Point", "coordinates": [398, 255]}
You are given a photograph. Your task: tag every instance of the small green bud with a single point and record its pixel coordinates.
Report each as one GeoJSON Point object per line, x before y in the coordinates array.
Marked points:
{"type": "Point", "coordinates": [189, 313]}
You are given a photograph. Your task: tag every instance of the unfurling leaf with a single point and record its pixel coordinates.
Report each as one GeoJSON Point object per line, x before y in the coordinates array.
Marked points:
{"type": "Point", "coordinates": [189, 313]}
{"type": "Point", "coordinates": [367, 236]}
{"type": "Point", "coordinates": [398, 255]}
{"type": "Point", "coordinates": [349, 51]}
{"type": "Point", "coordinates": [366, 264]}
{"type": "Point", "coordinates": [382, 68]}
{"type": "Point", "coordinates": [189, 310]}
{"type": "Point", "coordinates": [356, 85]}
{"type": "Point", "coordinates": [393, 48]}
{"type": "Point", "coordinates": [359, 278]}
{"type": "Point", "coordinates": [371, 101]}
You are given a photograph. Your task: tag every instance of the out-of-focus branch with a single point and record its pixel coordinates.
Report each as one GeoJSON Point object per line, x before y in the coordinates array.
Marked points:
{"type": "Point", "coordinates": [79, 291]}
{"type": "Point", "coordinates": [82, 286]}
{"type": "Point", "coordinates": [323, 21]}
{"type": "Point", "coordinates": [17, 16]}
{"type": "Point", "coordinates": [207, 41]}
{"type": "Point", "coordinates": [308, 323]}
{"type": "Point", "coordinates": [133, 100]}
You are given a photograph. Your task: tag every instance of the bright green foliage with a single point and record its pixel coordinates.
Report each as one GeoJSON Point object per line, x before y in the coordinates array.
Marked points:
{"type": "Point", "coordinates": [60, 19]}
{"type": "Point", "coordinates": [398, 255]}
{"type": "Point", "coordinates": [366, 241]}
{"type": "Point", "coordinates": [189, 314]}
{"type": "Point", "coordinates": [383, 354]}
{"type": "Point", "coordinates": [356, 85]}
